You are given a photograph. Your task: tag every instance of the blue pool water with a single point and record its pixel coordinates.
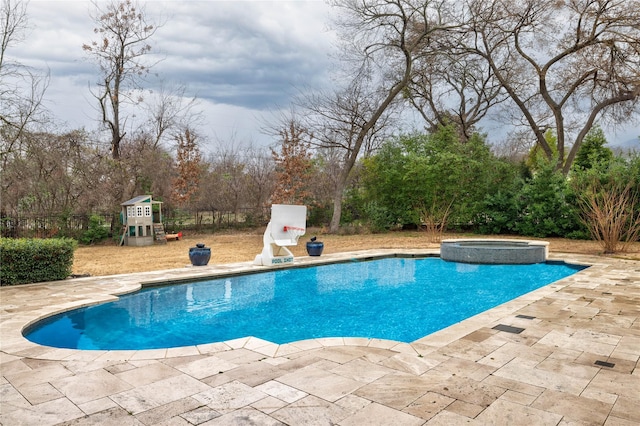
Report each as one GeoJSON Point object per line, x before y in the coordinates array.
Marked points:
{"type": "Point", "coordinates": [393, 298]}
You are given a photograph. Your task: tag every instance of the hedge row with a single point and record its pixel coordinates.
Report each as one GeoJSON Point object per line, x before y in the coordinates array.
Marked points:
{"type": "Point", "coordinates": [28, 260]}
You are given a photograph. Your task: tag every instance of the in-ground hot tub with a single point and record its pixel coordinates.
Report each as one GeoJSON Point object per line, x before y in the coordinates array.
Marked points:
{"type": "Point", "coordinates": [494, 251]}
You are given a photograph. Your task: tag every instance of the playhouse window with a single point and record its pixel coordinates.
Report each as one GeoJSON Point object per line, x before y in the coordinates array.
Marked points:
{"type": "Point", "coordinates": [139, 211]}
{"type": "Point", "coordinates": [130, 211]}
{"type": "Point", "coordinates": [147, 211]}
{"type": "Point", "coordinates": [140, 233]}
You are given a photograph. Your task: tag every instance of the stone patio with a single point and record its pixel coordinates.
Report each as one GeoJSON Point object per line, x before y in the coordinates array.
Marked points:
{"type": "Point", "coordinates": [574, 362]}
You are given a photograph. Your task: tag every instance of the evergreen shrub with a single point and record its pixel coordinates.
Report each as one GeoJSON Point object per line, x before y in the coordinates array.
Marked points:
{"type": "Point", "coordinates": [32, 260]}
{"type": "Point", "coordinates": [96, 231]}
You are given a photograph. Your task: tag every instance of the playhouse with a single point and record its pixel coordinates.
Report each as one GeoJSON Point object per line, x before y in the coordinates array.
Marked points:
{"type": "Point", "coordinates": [141, 225]}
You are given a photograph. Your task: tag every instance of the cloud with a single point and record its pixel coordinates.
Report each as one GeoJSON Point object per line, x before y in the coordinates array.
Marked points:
{"type": "Point", "coordinates": [243, 59]}
{"type": "Point", "coordinates": [249, 56]}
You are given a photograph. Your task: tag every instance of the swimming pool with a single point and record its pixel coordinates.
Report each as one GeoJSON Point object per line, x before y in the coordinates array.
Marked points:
{"type": "Point", "coordinates": [400, 299]}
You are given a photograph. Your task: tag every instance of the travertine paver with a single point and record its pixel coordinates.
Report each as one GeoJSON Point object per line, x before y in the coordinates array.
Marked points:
{"type": "Point", "coordinates": [159, 393]}
{"type": "Point", "coordinates": [147, 374]}
{"type": "Point", "coordinates": [48, 413]}
{"type": "Point", "coordinates": [375, 414]}
{"type": "Point", "coordinates": [321, 383]}
{"type": "Point", "coordinates": [312, 410]}
{"type": "Point", "coordinates": [503, 412]}
{"type": "Point", "coordinates": [573, 408]}
{"type": "Point", "coordinates": [205, 367]}
{"type": "Point", "coordinates": [281, 391]}
{"type": "Point", "coordinates": [177, 412]}
{"type": "Point", "coordinates": [575, 362]}
{"type": "Point", "coordinates": [90, 386]}
{"type": "Point", "coordinates": [230, 396]}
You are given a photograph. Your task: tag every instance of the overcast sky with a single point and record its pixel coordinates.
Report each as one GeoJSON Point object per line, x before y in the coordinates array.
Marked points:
{"type": "Point", "coordinates": [242, 59]}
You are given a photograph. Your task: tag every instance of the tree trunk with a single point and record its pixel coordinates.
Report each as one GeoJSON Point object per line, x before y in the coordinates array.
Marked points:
{"type": "Point", "coordinates": [337, 206]}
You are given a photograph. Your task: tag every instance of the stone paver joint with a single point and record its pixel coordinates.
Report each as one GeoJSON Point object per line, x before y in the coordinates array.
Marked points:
{"type": "Point", "coordinates": [576, 362]}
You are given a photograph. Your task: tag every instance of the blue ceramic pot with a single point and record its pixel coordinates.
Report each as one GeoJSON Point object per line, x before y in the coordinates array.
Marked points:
{"type": "Point", "coordinates": [199, 255]}
{"type": "Point", "coordinates": [314, 248]}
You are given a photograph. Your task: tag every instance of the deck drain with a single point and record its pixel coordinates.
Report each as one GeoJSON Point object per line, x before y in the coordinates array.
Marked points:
{"type": "Point", "coordinates": [508, 328]}
{"type": "Point", "coordinates": [605, 364]}
{"type": "Point", "coordinates": [525, 317]}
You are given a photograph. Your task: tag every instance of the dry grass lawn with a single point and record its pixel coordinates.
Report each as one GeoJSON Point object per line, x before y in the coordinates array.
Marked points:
{"type": "Point", "coordinates": [230, 247]}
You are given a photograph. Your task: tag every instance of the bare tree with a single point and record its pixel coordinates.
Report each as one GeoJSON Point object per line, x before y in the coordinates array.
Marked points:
{"type": "Point", "coordinates": [225, 184]}
{"type": "Point", "coordinates": [21, 88]}
{"type": "Point", "coordinates": [382, 38]}
{"type": "Point", "coordinates": [564, 63]}
{"type": "Point", "coordinates": [169, 112]}
{"type": "Point", "coordinates": [54, 174]}
{"type": "Point", "coordinates": [351, 123]}
{"type": "Point", "coordinates": [124, 35]}
{"type": "Point", "coordinates": [141, 169]}
{"type": "Point", "coordinates": [260, 175]}
{"type": "Point", "coordinates": [515, 146]}
{"type": "Point", "coordinates": [326, 172]}
{"type": "Point", "coordinates": [450, 88]}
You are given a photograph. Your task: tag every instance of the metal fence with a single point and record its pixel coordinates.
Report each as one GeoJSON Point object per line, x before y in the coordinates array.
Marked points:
{"type": "Point", "coordinates": [213, 220]}
{"type": "Point", "coordinates": [74, 226]}
{"type": "Point", "coordinates": [45, 226]}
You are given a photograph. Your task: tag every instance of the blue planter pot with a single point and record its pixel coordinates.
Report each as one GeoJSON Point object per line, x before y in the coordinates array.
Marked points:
{"type": "Point", "coordinates": [199, 255]}
{"type": "Point", "coordinates": [314, 248]}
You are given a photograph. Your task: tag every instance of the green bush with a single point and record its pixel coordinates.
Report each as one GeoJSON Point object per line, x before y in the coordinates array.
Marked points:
{"type": "Point", "coordinates": [96, 231]}
{"type": "Point", "coordinates": [319, 215]}
{"type": "Point", "coordinates": [436, 175]}
{"type": "Point", "coordinates": [380, 219]}
{"type": "Point", "coordinates": [499, 213]}
{"type": "Point", "coordinates": [28, 260]}
{"type": "Point", "coordinates": [547, 206]}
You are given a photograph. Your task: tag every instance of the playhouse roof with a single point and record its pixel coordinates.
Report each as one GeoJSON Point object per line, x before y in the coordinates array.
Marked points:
{"type": "Point", "coordinates": [140, 199]}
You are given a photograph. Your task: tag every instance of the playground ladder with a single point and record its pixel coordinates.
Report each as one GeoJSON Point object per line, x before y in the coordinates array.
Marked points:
{"type": "Point", "coordinates": [158, 232]}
